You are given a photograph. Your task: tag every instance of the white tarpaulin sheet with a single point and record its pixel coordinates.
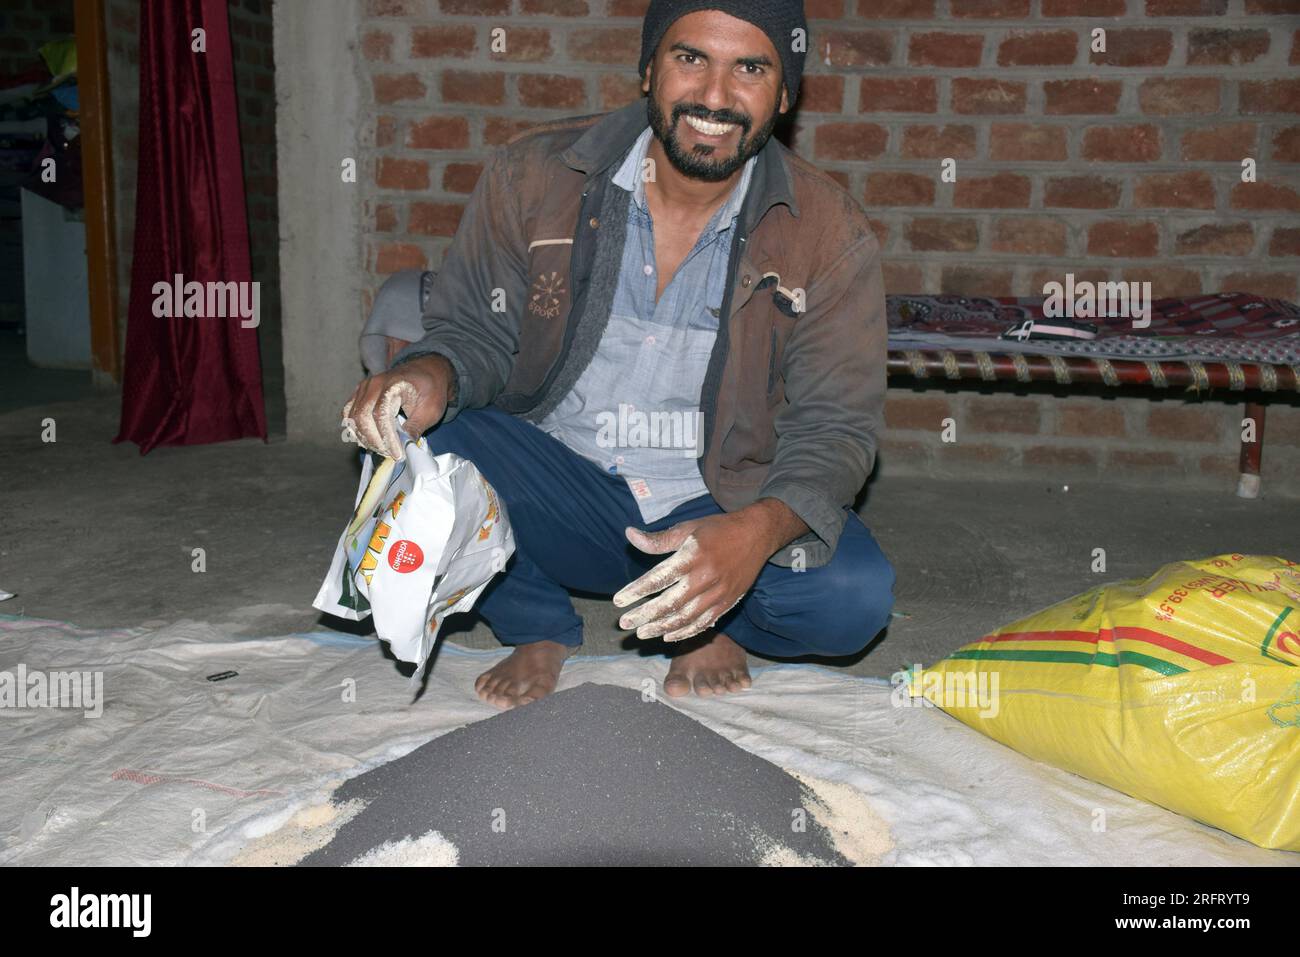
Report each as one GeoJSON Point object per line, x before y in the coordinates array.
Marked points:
{"type": "Point", "coordinates": [180, 769]}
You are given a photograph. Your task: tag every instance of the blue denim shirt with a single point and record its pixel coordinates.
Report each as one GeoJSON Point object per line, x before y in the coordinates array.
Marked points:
{"type": "Point", "coordinates": [635, 410]}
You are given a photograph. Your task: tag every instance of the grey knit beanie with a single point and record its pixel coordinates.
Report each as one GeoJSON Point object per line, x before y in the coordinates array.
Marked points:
{"type": "Point", "coordinates": [777, 18]}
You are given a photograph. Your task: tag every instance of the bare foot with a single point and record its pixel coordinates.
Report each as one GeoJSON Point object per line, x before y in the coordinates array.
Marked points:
{"type": "Point", "coordinates": [716, 666]}
{"type": "Point", "coordinates": [529, 674]}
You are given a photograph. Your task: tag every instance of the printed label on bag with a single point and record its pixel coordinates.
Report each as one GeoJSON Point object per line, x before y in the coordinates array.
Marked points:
{"type": "Point", "coordinates": [405, 556]}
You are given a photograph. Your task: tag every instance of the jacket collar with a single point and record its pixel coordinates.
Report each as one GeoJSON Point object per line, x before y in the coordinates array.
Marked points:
{"type": "Point", "coordinates": [609, 139]}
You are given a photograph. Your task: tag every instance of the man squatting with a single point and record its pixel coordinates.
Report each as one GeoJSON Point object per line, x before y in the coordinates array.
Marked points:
{"type": "Point", "coordinates": [669, 257]}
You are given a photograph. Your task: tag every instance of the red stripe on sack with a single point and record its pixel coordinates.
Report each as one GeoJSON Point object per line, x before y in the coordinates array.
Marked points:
{"type": "Point", "coordinates": [1145, 635]}
{"type": "Point", "coordinates": [1167, 641]}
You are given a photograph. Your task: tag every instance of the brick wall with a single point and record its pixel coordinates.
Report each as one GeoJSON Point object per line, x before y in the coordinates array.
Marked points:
{"type": "Point", "coordinates": [26, 26]}
{"type": "Point", "coordinates": [1086, 434]}
{"type": "Point", "coordinates": [1117, 165]}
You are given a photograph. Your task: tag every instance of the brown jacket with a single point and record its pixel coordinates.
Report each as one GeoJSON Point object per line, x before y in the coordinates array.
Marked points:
{"type": "Point", "coordinates": [793, 396]}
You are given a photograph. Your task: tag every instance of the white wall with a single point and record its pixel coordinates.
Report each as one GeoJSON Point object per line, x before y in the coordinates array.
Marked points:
{"type": "Point", "coordinates": [55, 283]}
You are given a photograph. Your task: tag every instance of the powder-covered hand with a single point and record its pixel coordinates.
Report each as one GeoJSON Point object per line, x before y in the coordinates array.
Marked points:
{"type": "Point", "coordinates": [714, 562]}
{"type": "Point", "coordinates": [421, 388]}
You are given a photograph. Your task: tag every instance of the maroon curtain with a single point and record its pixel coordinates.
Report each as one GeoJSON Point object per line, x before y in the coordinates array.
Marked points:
{"type": "Point", "coordinates": [188, 379]}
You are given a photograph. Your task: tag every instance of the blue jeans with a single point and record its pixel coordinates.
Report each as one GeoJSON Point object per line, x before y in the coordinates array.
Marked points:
{"type": "Point", "coordinates": [568, 518]}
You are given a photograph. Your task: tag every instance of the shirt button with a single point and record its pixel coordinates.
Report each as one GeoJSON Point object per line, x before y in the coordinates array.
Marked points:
{"type": "Point", "coordinates": [649, 269]}
{"type": "Point", "coordinates": [618, 459]}
{"type": "Point", "coordinates": [746, 281]}
{"type": "Point", "coordinates": [649, 340]}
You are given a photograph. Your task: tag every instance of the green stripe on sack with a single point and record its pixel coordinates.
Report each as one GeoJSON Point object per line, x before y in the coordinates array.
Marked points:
{"type": "Point", "coordinates": [1074, 658]}
{"type": "Point", "coordinates": [1268, 638]}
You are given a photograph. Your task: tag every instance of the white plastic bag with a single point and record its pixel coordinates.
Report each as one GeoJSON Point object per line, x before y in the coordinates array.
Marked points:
{"type": "Point", "coordinates": [426, 537]}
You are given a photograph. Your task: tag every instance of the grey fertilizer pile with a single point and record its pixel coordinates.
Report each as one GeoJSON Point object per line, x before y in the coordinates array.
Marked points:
{"type": "Point", "coordinates": [593, 775]}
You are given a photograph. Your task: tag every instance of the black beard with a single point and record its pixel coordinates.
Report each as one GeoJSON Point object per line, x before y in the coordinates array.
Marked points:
{"type": "Point", "coordinates": [699, 162]}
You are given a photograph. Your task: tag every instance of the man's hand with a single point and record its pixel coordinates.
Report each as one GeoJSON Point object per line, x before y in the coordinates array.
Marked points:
{"type": "Point", "coordinates": [422, 388]}
{"type": "Point", "coordinates": [715, 561]}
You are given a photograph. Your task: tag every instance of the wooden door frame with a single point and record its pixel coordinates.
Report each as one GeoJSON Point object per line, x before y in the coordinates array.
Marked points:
{"type": "Point", "coordinates": [97, 184]}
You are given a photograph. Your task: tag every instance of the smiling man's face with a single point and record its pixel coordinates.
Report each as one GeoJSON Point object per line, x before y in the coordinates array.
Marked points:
{"type": "Point", "coordinates": [715, 94]}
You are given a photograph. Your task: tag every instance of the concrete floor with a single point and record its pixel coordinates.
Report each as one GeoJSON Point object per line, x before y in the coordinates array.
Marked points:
{"type": "Point", "coordinates": [25, 385]}
{"type": "Point", "coordinates": [97, 535]}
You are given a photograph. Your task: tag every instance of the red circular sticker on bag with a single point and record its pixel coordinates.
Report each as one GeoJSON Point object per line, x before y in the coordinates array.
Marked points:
{"type": "Point", "coordinates": [405, 556]}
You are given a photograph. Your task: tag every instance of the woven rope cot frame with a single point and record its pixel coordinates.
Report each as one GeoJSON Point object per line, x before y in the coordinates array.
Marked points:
{"type": "Point", "coordinates": [1195, 376]}
{"type": "Point", "coordinates": [1066, 370]}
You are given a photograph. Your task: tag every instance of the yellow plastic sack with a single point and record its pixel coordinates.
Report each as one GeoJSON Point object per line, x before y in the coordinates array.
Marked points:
{"type": "Point", "coordinates": [1182, 689]}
